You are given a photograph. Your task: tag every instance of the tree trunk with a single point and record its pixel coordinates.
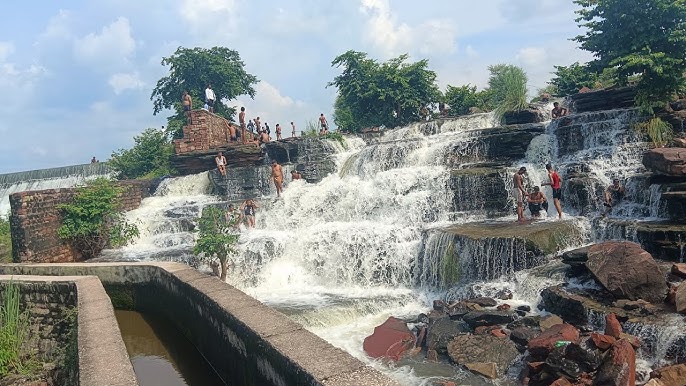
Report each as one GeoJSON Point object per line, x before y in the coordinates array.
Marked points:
{"type": "Point", "coordinates": [225, 265]}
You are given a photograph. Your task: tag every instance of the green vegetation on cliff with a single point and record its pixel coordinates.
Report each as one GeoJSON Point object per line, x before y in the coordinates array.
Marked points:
{"type": "Point", "coordinates": [372, 94]}
{"type": "Point", "coordinates": [93, 221]}
{"type": "Point", "coordinates": [192, 69]}
{"type": "Point", "coordinates": [148, 158]}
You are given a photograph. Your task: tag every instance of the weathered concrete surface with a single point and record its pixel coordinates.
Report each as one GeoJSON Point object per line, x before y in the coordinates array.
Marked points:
{"type": "Point", "coordinates": [102, 355]}
{"type": "Point", "coordinates": [239, 336]}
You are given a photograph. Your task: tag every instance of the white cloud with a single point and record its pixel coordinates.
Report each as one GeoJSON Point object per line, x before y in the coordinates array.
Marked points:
{"type": "Point", "coordinates": [113, 45]}
{"type": "Point", "coordinates": [58, 27]}
{"type": "Point", "coordinates": [274, 107]}
{"type": "Point", "coordinates": [6, 49]}
{"type": "Point", "coordinates": [121, 82]}
{"type": "Point", "coordinates": [531, 55]}
{"type": "Point", "coordinates": [209, 19]}
{"type": "Point", "coordinates": [393, 38]}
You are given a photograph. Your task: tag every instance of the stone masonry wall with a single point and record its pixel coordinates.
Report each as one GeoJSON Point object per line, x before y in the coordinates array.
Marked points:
{"type": "Point", "coordinates": [208, 131]}
{"type": "Point", "coordinates": [34, 221]}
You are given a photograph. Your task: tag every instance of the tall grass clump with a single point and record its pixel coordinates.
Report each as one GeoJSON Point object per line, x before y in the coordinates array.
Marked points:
{"type": "Point", "coordinates": [659, 131]}
{"type": "Point", "coordinates": [507, 85]}
{"type": "Point", "coordinates": [14, 334]}
{"type": "Point", "coordinates": [5, 241]}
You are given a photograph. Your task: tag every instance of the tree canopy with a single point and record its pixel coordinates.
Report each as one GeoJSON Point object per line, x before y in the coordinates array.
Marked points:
{"type": "Point", "coordinates": [148, 158]}
{"type": "Point", "coordinates": [192, 69]}
{"type": "Point", "coordinates": [569, 79]}
{"type": "Point", "coordinates": [637, 37]}
{"type": "Point", "coordinates": [374, 94]}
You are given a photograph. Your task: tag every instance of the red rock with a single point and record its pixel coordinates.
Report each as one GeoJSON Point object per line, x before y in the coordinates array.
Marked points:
{"type": "Point", "coordinates": [498, 332]}
{"type": "Point", "coordinates": [481, 330]}
{"type": "Point", "coordinates": [561, 382]}
{"type": "Point", "coordinates": [540, 346]}
{"type": "Point", "coordinates": [679, 269]}
{"type": "Point", "coordinates": [635, 342]}
{"type": "Point", "coordinates": [619, 366]}
{"type": "Point", "coordinates": [503, 307]}
{"type": "Point", "coordinates": [612, 326]}
{"type": "Point", "coordinates": [680, 299]}
{"type": "Point", "coordinates": [667, 161]}
{"type": "Point", "coordinates": [601, 341]}
{"type": "Point", "coordinates": [389, 340]}
{"type": "Point", "coordinates": [671, 375]}
{"type": "Point", "coordinates": [535, 367]}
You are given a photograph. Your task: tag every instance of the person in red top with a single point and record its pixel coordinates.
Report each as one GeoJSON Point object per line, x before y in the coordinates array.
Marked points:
{"type": "Point", "coordinates": [556, 184]}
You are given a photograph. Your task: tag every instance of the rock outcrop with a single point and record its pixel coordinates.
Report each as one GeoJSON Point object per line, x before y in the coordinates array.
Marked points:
{"type": "Point", "coordinates": [603, 99]}
{"type": "Point", "coordinates": [471, 349]}
{"type": "Point", "coordinates": [669, 161]}
{"type": "Point", "coordinates": [389, 340]}
{"type": "Point", "coordinates": [619, 366]}
{"type": "Point", "coordinates": [543, 344]}
{"type": "Point", "coordinates": [627, 271]}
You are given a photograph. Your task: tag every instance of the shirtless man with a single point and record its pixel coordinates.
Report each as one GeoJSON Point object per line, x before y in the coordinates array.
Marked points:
{"type": "Point", "coordinates": [187, 106]}
{"type": "Point", "coordinates": [613, 195]}
{"type": "Point", "coordinates": [264, 137]}
{"type": "Point", "coordinates": [556, 184]}
{"type": "Point", "coordinates": [537, 201]}
{"type": "Point", "coordinates": [220, 160]}
{"type": "Point", "coordinates": [278, 132]}
{"type": "Point", "coordinates": [241, 120]}
{"type": "Point", "coordinates": [293, 130]}
{"type": "Point", "coordinates": [322, 121]}
{"type": "Point", "coordinates": [558, 111]}
{"type": "Point", "coordinates": [295, 175]}
{"type": "Point", "coordinates": [258, 125]}
{"type": "Point", "coordinates": [519, 192]}
{"type": "Point", "coordinates": [277, 175]}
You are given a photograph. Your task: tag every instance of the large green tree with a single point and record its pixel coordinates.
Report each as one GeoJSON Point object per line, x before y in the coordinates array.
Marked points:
{"type": "Point", "coordinates": [638, 37]}
{"type": "Point", "coordinates": [374, 94]}
{"type": "Point", "coordinates": [569, 79]}
{"type": "Point", "coordinates": [148, 158]}
{"type": "Point", "coordinates": [192, 69]}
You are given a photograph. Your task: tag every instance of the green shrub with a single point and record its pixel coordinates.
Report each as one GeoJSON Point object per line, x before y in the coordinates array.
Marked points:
{"type": "Point", "coordinates": [659, 131]}
{"type": "Point", "coordinates": [507, 86]}
{"type": "Point", "coordinates": [148, 158]}
{"type": "Point", "coordinates": [93, 219]}
{"type": "Point", "coordinates": [5, 241]}
{"type": "Point", "coordinates": [461, 99]}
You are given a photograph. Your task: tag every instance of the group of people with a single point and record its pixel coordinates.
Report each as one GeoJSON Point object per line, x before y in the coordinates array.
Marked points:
{"type": "Point", "coordinates": [537, 202]}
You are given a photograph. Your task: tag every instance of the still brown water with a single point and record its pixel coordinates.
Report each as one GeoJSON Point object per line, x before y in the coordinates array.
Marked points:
{"type": "Point", "coordinates": [160, 354]}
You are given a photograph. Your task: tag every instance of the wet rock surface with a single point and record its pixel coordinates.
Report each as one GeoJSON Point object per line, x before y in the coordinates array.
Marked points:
{"type": "Point", "coordinates": [666, 161]}
{"type": "Point", "coordinates": [389, 340]}
{"type": "Point", "coordinates": [483, 349]}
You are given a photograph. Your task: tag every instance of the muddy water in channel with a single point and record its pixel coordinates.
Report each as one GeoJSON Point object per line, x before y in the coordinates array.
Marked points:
{"type": "Point", "coordinates": [160, 355]}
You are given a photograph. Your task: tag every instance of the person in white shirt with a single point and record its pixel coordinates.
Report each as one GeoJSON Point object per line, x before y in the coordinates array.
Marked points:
{"type": "Point", "coordinates": [220, 160]}
{"type": "Point", "coordinates": [209, 98]}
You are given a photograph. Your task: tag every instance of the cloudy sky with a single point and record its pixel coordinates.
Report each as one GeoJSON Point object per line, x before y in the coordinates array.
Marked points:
{"type": "Point", "coordinates": [77, 74]}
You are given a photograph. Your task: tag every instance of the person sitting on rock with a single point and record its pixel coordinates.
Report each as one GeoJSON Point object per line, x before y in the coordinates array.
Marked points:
{"type": "Point", "coordinates": [558, 111]}
{"type": "Point", "coordinates": [537, 201]}
{"type": "Point", "coordinates": [220, 160]}
{"type": "Point", "coordinates": [295, 175]}
{"type": "Point", "coordinates": [613, 195]}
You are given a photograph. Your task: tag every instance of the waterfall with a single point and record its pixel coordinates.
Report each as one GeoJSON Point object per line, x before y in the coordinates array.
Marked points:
{"type": "Point", "coordinates": [54, 178]}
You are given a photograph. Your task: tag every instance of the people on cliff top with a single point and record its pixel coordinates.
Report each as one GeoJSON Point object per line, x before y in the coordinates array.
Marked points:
{"type": "Point", "coordinates": [220, 160]}
{"type": "Point", "coordinates": [278, 132]}
{"type": "Point", "coordinates": [209, 98]}
{"type": "Point", "coordinates": [249, 208]}
{"type": "Point", "coordinates": [555, 183]}
{"type": "Point", "coordinates": [322, 121]}
{"type": "Point", "coordinates": [613, 195]}
{"type": "Point", "coordinates": [292, 130]}
{"type": "Point", "coordinates": [295, 175]}
{"type": "Point", "coordinates": [251, 126]}
{"type": "Point", "coordinates": [264, 138]}
{"type": "Point", "coordinates": [537, 201]}
{"type": "Point", "coordinates": [93, 160]}
{"type": "Point", "coordinates": [558, 111]}
{"type": "Point", "coordinates": [187, 103]}
{"type": "Point", "coordinates": [241, 120]}
{"type": "Point", "coordinates": [277, 176]}
{"type": "Point", "coordinates": [258, 125]}
{"type": "Point", "coordinates": [519, 192]}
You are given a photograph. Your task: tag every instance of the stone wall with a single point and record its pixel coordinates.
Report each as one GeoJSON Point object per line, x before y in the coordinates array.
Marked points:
{"type": "Point", "coordinates": [208, 131]}
{"type": "Point", "coordinates": [245, 341]}
{"type": "Point", "coordinates": [34, 221]}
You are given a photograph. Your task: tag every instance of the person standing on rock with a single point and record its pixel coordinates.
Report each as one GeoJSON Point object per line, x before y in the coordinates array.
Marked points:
{"type": "Point", "coordinates": [278, 132]}
{"type": "Point", "coordinates": [187, 103]}
{"type": "Point", "coordinates": [220, 160]}
{"type": "Point", "coordinates": [556, 184]}
{"type": "Point", "coordinates": [519, 192]}
{"type": "Point", "coordinates": [258, 125]}
{"type": "Point", "coordinates": [292, 130]}
{"type": "Point", "coordinates": [248, 208]}
{"type": "Point", "coordinates": [322, 121]}
{"type": "Point", "coordinates": [241, 120]}
{"type": "Point", "coordinates": [277, 176]}
{"type": "Point", "coordinates": [210, 98]}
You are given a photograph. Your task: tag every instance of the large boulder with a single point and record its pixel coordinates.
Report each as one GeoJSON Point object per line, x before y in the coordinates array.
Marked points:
{"type": "Point", "coordinates": [627, 271]}
{"type": "Point", "coordinates": [530, 115]}
{"type": "Point", "coordinates": [471, 349]}
{"type": "Point", "coordinates": [389, 340]}
{"type": "Point", "coordinates": [543, 344]}
{"type": "Point", "coordinates": [619, 366]}
{"type": "Point", "coordinates": [442, 331]}
{"type": "Point", "coordinates": [669, 161]}
{"type": "Point", "coordinates": [671, 375]}
{"type": "Point", "coordinates": [488, 318]}
{"type": "Point", "coordinates": [680, 298]}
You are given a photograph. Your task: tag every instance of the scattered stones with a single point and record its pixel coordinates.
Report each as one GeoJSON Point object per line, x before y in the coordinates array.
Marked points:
{"type": "Point", "coordinates": [543, 344]}
{"type": "Point", "coordinates": [483, 301]}
{"type": "Point", "coordinates": [627, 271]}
{"type": "Point", "coordinates": [489, 369]}
{"type": "Point", "coordinates": [619, 366]}
{"type": "Point", "coordinates": [603, 342]}
{"type": "Point", "coordinates": [389, 340]}
{"type": "Point", "coordinates": [488, 318]}
{"type": "Point", "coordinates": [442, 332]}
{"type": "Point", "coordinates": [522, 335]}
{"type": "Point", "coordinates": [504, 294]}
{"type": "Point", "coordinates": [612, 326]}
{"type": "Point", "coordinates": [483, 349]}
{"type": "Point", "coordinates": [671, 375]}
{"type": "Point", "coordinates": [549, 321]}
{"type": "Point", "coordinates": [503, 307]}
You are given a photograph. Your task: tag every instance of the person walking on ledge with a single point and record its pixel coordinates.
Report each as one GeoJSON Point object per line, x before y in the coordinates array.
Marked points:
{"type": "Point", "coordinates": [519, 192]}
{"type": "Point", "coordinates": [556, 184]}
{"type": "Point", "coordinates": [209, 98]}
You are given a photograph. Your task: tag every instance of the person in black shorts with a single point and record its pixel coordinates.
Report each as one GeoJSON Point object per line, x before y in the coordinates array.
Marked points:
{"type": "Point", "coordinates": [613, 195]}
{"type": "Point", "coordinates": [556, 184]}
{"type": "Point", "coordinates": [537, 202]}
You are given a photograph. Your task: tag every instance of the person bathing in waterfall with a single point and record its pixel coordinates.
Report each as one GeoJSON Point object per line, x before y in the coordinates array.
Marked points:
{"type": "Point", "coordinates": [556, 184]}
{"type": "Point", "coordinates": [220, 160]}
{"type": "Point", "coordinates": [613, 195]}
{"type": "Point", "coordinates": [277, 176]}
{"type": "Point", "coordinates": [519, 192]}
{"type": "Point", "coordinates": [248, 209]}
{"type": "Point", "coordinates": [295, 175]}
{"type": "Point", "coordinates": [558, 111]}
{"type": "Point", "coordinates": [537, 201]}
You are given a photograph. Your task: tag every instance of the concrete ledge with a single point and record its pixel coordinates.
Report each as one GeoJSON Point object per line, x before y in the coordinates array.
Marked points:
{"type": "Point", "coordinates": [245, 341]}
{"type": "Point", "coordinates": [102, 355]}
